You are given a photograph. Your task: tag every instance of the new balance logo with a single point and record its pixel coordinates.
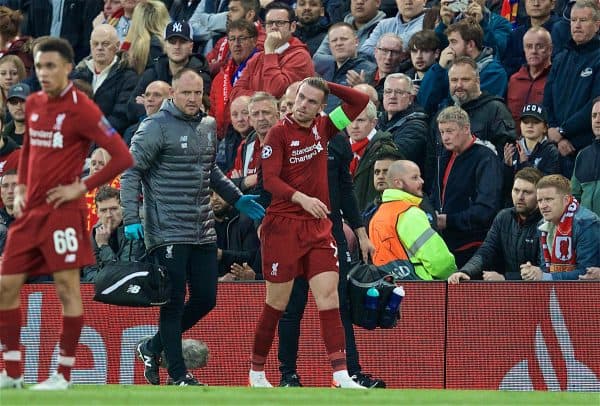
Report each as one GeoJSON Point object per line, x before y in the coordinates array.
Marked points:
{"type": "Point", "coordinates": [274, 268]}
{"type": "Point", "coordinates": [295, 144]}
{"type": "Point", "coordinates": [70, 258]}
{"type": "Point", "coordinates": [135, 289]}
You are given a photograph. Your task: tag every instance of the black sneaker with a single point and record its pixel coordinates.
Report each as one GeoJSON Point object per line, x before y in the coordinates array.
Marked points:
{"type": "Point", "coordinates": [187, 380]}
{"type": "Point", "coordinates": [368, 381]}
{"type": "Point", "coordinates": [151, 362]}
{"type": "Point", "coordinates": [290, 381]}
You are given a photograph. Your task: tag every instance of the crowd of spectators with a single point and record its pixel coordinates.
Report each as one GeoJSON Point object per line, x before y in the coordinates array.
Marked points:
{"type": "Point", "coordinates": [495, 123]}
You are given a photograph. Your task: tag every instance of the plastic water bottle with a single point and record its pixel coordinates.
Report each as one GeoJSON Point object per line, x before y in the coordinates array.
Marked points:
{"type": "Point", "coordinates": [390, 313]}
{"type": "Point", "coordinates": [371, 306]}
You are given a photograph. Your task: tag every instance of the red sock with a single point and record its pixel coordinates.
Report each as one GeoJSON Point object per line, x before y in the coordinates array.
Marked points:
{"type": "Point", "coordinates": [69, 338]}
{"type": "Point", "coordinates": [333, 336]}
{"type": "Point", "coordinates": [10, 332]}
{"type": "Point", "coordinates": [263, 337]}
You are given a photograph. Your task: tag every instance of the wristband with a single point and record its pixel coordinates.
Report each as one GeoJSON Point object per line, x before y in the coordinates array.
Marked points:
{"type": "Point", "coordinates": [339, 118]}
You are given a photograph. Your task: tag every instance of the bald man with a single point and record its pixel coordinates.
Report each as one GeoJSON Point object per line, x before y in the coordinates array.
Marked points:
{"type": "Point", "coordinates": [156, 92]}
{"type": "Point", "coordinates": [111, 78]}
{"type": "Point", "coordinates": [405, 244]}
{"type": "Point", "coordinates": [98, 160]}
{"type": "Point", "coordinates": [287, 100]}
{"type": "Point", "coordinates": [370, 91]}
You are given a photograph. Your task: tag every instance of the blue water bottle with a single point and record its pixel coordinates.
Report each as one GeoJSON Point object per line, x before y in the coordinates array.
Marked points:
{"type": "Point", "coordinates": [390, 313]}
{"type": "Point", "coordinates": [371, 305]}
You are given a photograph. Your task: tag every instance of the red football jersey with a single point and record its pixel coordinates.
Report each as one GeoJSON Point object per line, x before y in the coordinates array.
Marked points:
{"type": "Point", "coordinates": [59, 133]}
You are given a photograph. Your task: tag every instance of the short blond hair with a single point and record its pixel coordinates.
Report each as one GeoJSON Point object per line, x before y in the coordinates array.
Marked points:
{"type": "Point", "coordinates": [559, 182]}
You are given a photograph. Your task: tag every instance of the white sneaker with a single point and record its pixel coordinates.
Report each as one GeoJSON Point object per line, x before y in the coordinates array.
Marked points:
{"type": "Point", "coordinates": [55, 382]}
{"type": "Point", "coordinates": [341, 379]}
{"type": "Point", "coordinates": [6, 382]}
{"type": "Point", "coordinates": [258, 379]}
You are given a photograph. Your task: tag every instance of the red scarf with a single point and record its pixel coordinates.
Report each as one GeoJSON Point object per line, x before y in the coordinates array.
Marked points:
{"type": "Point", "coordinates": [563, 257]}
{"type": "Point", "coordinates": [358, 150]}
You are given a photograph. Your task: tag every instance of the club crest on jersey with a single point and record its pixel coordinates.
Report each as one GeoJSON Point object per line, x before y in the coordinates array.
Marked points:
{"type": "Point", "coordinates": [58, 122]}
{"type": "Point", "coordinates": [316, 133]}
{"type": "Point", "coordinates": [106, 127]}
{"type": "Point", "coordinates": [266, 152]}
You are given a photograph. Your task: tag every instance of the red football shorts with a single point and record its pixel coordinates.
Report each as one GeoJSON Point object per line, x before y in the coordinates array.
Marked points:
{"type": "Point", "coordinates": [291, 248]}
{"type": "Point", "coordinates": [44, 241]}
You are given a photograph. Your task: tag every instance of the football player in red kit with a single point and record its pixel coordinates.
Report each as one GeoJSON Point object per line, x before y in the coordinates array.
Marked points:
{"type": "Point", "coordinates": [49, 234]}
{"type": "Point", "coordinates": [296, 239]}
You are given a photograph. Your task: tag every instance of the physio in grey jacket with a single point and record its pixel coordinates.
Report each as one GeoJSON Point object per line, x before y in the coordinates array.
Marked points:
{"type": "Point", "coordinates": [175, 168]}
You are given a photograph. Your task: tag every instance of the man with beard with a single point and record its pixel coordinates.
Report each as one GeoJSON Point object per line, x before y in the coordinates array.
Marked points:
{"type": "Point", "coordinates": [312, 27]}
{"type": "Point", "coordinates": [512, 239]}
{"type": "Point", "coordinates": [17, 95]}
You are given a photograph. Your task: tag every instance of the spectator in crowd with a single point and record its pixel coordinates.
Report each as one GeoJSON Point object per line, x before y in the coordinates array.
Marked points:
{"type": "Point", "coordinates": [367, 144]}
{"type": "Point", "coordinates": [237, 242]}
{"type": "Point", "coordinates": [541, 15]}
{"type": "Point", "coordinates": [585, 183]}
{"type": "Point", "coordinates": [209, 22]}
{"type": "Point", "coordinates": [237, 131]}
{"type": "Point", "coordinates": [8, 182]}
{"type": "Point", "coordinates": [570, 234]}
{"type": "Point", "coordinates": [370, 91]}
{"type": "Point", "coordinates": [466, 40]}
{"type": "Point", "coordinates": [12, 71]}
{"type": "Point", "coordinates": [573, 83]}
{"type": "Point", "coordinates": [388, 55]}
{"type": "Point", "coordinates": [239, 10]}
{"type": "Point", "coordinates": [496, 29]}
{"type": "Point", "coordinates": [11, 42]}
{"type": "Point", "coordinates": [284, 60]}
{"type": "Point", "coordinates": [263, 114]}
{"type": "Point", "coordinates": [182, 10]}
{"type": "Point", "coordinates": [364, 16]}
{"type": "Point", "coordinates": [424, 48]}
{"type": "Point", "coordinates": [402, 118]}
{"type": "Point", "coordinates": [110, 7]}
{"type": "Point", "coordinates": [405, 244]}
{"type": "Point", "coordinates": [156, 92]}
{"type": "Point", "coordinates": [287, 100]}
{"type": "Point", "coordinates": [533, 149]}
{"type": "Point", "coordinates": [312, 24]}
{"type": "Point", "coordinates": [380, 183]}
{"type": "Point", "coordinates": [109, 74]}
{"type": "Point", "coordinates": [121, 18]}
{"type": "Point", "coordinates": [17, 94]}
{"type": "Point", "coordinates": [98, 160]}
{"type": "Point", "coordinates": [72, 21]}
{"type": "Point", "coordinates": [405, 24]}
{"type": "Point", "coordinates": [144, 43]}
{"type": "Point", "coordinates": [344, 62]}
{"type": "Point", "coordinates": [108, 235]}
{"type": "Point", "coordinates": [526, 86]}
{"type": "Point", "coordinates": [241, 42]}
{"type": "Point", "coordinates": [513, 238]}
{"type": "Point", "coordinates": [173, 149]}
{"type": "Point", "coordinates": [468, 188]}
{"type": "Point", "coordinates": [9, 151]}
{"type": "Point", "coordinates": [178, 49]}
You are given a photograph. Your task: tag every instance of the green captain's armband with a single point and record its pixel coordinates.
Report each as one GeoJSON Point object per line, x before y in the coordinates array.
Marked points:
{"type": "Point", "coordinates": [339, 119]}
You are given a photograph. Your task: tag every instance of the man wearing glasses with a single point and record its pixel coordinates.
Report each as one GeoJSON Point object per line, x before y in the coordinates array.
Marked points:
{"type": "Point", "coordinates": [285, 59]}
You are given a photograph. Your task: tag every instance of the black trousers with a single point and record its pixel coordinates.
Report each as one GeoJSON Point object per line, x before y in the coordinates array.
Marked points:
{"type": "Point", "coordinates": [289, 325]}
{"type": "Point", "coordinates": [193, 266]}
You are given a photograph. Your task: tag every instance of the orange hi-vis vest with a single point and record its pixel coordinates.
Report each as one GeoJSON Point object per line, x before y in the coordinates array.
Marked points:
{"type": "Point", "coordinates": [389, 251]}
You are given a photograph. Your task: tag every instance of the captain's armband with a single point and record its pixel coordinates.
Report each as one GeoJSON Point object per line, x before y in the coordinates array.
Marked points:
{"type": "Point", "coordinates": [339, 118]}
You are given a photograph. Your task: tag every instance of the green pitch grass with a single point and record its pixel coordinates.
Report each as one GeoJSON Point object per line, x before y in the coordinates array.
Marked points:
{"type": "Point", "coordinates": [179, 396]}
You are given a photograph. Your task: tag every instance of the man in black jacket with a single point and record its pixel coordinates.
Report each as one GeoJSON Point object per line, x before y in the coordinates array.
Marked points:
{"type": "Point", "coordinates": [512, 239]}
{"type": "Point", "coordinates": [312, 25]}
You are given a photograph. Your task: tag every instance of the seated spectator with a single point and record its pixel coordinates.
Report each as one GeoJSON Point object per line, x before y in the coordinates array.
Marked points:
{"type": "Point", "coordinates": [370, 91]}
{"type": "Point", "coordinates": [12, 71]}
{"type": "Point", "coordinates": [178, 49]}
{"type": "Point", "coordinates": [405, 24]}
{"type": "Point", "coordinates": [312, 24]}
{"type": "Point", "coordinates": [541, 15]}
{"type": "Point", "coordinates": [424, 48]}
{"type": "Point", "coordinates": [402, 118]}
{"type": "Point", "coordinates": [9, 150]}
{"type": "Point", "coordinates": [237, 131]}
{"type": "Point", "coordinates": [585, 183]}
{"type": "Point", "coordinates": [570, 234]}
{"type": "Point", "coordinates": [183, 10]}
{"type": "Point", "coordinates": [209, 22]}
{"type": "Point", "coordinates": [344, 62]}
{"type": "Point", "coordinates": [241, 42]}
{"type": "Point", "coordinates": [152, 99]}
{"type": "Point", "coordinates": [110, 7]}
{"type": "Point", "coordinates": [284, 60]}
{"type": "Point", "coordinates": [364, 16]}
{"type": "Point", "coordinates": [237, 242]}
{"type": "Point", "coordinates": [533, 149]}
{"type": "Point", "coordinates": [496, 29]}
{"type": "Point", "coordinates": [527, 85]}
{"type": "Point", "coordinates": [11, 41]}
{"type": "Point", "coordinates": [405, 243]}
{"type": "Point", "coordinates": [108, 236]}
{"type": "Point", "coordinates": [110, 75]}
{"type": "Point", "coordinates": [286, 103]}
{"type": "Point", "coordinates": [98, 160]}
{"type": "Point", "coordinates": [468, 187]}
{"type": "Point", "coordinates": [8, 182]}
{"type": "Point", "coordinates": [121, 18]}
{"type": "Point", "coordinates": [466, 40]}
{"type": "Point", "coordinates": [388, 55]}
{"type": "Point", "coordinates": [17, 94]}
{"type": "Point", "coordinates": [144, 43]}
{"type": "Point", "coordinates": [367, 145]}
{"type": "Point", "coordinates": [512, 239]}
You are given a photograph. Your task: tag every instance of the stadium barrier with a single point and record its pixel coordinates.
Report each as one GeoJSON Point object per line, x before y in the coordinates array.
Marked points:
{"type": "Point", "coordinates": [516, 336]}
